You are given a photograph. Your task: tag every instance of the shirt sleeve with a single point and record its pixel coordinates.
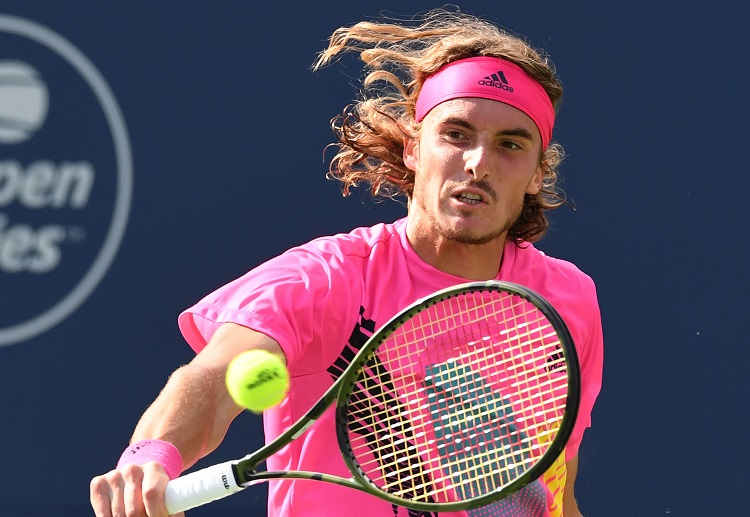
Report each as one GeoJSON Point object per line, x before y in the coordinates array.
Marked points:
{"type": "Point", "coordinates": [300, 297]}
{"type": "Point", "coordinates": [591, 359]}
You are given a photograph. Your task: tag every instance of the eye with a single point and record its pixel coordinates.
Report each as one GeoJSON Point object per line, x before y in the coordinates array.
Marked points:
{"type": "Point", "coordinates": [508, 144]}
{"type": "Point", "coordinates": [454, 134]}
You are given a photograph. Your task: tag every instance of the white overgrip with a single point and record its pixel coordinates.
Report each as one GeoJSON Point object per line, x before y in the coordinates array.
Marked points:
{"type": "Point", "coordinates": [200, 487]}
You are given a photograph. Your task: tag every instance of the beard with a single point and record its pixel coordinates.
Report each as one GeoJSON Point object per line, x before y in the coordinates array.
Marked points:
{"type": "Point", "coordinates": [465, 236]}
{"type": "Point", "coordinates": [462, 235]}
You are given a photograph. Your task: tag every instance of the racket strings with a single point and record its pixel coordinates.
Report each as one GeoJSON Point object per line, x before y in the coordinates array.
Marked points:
{"type": "Point", "coordinates": [460, 400]}
{"type": "Point", "coordinates": [546, 389]}
{"type": "Point", "coordinates": [376, 416]}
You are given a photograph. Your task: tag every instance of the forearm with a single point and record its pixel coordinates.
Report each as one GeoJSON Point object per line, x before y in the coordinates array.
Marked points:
{"type": "Point", "coordinates": [193, 412]}
{"type": "Point", "coordinates": [570, 506]}
{"type": "Point", "coordinates": [572, 510]}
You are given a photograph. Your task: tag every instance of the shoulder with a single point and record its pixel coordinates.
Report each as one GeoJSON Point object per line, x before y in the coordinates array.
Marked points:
{"type": "Point", "coordinates": [571, 291]}
{"type": "Point", "coordinates": [357, 243]}
{"type": "Point", "coordinates": [349, 254]}
{"type": "Point", "coordinates": [550, 274]}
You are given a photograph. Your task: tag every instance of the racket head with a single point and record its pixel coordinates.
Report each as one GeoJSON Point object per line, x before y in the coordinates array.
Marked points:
{"type": "Point", "coordinates": [461, 399]}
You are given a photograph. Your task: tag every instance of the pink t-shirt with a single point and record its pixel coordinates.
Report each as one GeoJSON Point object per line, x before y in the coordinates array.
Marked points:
{"type": "Point", "coordinates": [325, 298]}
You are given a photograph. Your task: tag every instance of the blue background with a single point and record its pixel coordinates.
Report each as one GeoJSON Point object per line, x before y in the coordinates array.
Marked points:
{"type": "Point", "coordinates": [228, 126]}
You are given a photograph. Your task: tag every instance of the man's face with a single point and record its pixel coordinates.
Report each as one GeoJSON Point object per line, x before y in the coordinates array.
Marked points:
{"type": "Point", "coordinates": [474, 159]}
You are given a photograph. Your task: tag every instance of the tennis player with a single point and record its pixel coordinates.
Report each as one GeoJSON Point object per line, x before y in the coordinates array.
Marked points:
{"type": "Point", "coordinates": [457, 116]}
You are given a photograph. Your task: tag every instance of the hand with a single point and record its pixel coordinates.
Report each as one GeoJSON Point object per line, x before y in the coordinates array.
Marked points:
{"type": "Point", "coordinates": [131, 491]}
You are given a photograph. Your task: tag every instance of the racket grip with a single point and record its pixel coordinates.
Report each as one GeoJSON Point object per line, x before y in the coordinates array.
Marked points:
{"type": "Point", "coordinates": [200, 487]}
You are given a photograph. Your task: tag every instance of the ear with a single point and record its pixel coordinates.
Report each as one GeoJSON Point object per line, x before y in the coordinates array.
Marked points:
{"type": "Point", "coordinates": [537, 181]}
{"type": "Point", "coordinates": [411, 153]}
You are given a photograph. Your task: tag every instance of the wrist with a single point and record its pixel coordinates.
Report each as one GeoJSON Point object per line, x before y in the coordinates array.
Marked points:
{"type": "Point", "coordinates": [163, 453]}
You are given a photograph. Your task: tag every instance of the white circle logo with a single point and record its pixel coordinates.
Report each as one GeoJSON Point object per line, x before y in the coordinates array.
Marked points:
{"type": "Point", "coordinates": [65, 179]}
{"type": "Point", "coordinates": [23, 101]}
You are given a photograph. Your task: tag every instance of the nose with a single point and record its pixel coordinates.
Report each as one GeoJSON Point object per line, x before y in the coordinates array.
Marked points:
{"type": "Point", "coordinates": [476, 161]}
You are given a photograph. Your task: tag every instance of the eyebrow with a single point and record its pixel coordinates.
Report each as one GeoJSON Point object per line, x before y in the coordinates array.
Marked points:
{"type": "Point", "coordinates": [521, 132]}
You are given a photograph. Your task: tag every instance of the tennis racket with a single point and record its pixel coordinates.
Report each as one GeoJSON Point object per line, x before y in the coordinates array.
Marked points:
{"type": "Point", "coordinates": [461, 399]}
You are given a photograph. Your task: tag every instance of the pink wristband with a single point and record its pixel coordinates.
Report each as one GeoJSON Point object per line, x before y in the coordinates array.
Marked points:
{"type": "Point", "coordinates": [163, 453]}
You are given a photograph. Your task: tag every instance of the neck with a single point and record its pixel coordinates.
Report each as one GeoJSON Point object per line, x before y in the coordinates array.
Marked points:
{"type": "Point", "coordinates": [469, 261]}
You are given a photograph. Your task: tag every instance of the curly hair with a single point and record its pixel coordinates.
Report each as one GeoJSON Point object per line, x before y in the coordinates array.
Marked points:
{"type": "Point", "coordinates": [399, 57]}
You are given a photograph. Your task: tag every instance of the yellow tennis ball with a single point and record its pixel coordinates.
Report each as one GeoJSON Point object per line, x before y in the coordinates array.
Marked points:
{"type": "Point", "coordinates": [257, 380]}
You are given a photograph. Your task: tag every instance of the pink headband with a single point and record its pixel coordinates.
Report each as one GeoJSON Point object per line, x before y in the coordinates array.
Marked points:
{"type": "Point", "coordinates": [489, 78]}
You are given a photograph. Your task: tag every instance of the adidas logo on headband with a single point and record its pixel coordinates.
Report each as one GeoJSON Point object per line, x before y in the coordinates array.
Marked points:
{"type": "Point", "coordinates": [497, 80]}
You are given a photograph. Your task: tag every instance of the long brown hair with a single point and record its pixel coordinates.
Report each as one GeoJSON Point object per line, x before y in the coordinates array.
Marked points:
{"type": "Point", "coordinates": [399, 56]}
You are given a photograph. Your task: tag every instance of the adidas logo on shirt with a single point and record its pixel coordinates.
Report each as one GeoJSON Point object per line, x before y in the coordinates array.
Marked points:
{"type": "Point", "coordinates": [496, 80]}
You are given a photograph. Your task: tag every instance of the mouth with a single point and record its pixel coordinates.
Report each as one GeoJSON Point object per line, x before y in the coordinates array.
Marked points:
{"type": "Point", "coordinates": [470, 198]}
